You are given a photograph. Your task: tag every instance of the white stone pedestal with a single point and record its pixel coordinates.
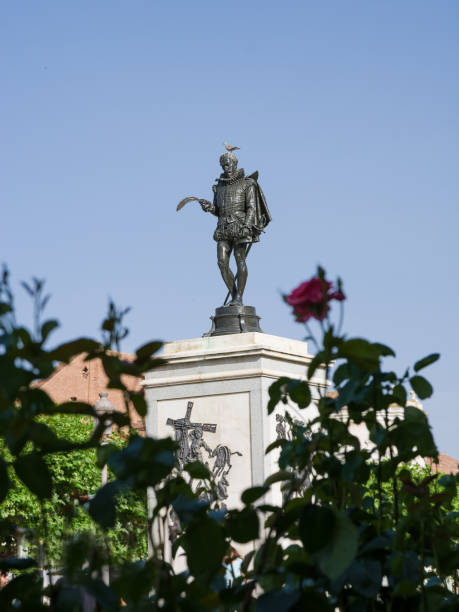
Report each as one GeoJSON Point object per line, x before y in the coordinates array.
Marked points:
{"type": "Point", "coordinates": [226, 378]}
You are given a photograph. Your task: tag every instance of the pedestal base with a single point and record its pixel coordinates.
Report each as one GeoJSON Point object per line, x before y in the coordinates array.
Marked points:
{"type": "Point", "coordinates": [211, 395]}
{"type": "Point", "coordinates": [226, 380]}
{"type": "Point", "coordinates": [234, 320]}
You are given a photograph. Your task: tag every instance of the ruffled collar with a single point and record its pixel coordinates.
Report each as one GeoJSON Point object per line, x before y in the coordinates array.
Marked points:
{"type": "Point", "coordinates": [237, 176]}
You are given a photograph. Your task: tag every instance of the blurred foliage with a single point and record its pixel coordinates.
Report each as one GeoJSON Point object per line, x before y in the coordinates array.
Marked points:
{"type": "Point", "coordinates": [356, 529]}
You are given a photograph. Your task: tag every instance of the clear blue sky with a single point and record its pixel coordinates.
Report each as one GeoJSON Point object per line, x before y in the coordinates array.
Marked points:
{"type": "Point", "coordinates": [113, 111]}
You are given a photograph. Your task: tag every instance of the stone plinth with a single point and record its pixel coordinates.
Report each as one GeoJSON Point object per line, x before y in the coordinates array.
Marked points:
{"type": "Point", "coordinates": [212, 396]}
{"type": "Point", "coordinates": [234, 320]}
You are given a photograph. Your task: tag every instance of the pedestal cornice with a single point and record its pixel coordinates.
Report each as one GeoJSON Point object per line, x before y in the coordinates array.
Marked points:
{"type": "Point", "coordinates": [220, 358]}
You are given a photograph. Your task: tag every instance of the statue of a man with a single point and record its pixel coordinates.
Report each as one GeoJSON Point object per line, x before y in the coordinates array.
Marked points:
{"type": "Point", "coordinates": [242, 215]}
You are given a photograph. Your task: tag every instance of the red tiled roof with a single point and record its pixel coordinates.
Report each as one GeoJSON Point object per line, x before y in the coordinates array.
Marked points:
{"type": "Point", "coordinates": [446, 464]}
{"type": "Point", "coordinates": [82, 381]}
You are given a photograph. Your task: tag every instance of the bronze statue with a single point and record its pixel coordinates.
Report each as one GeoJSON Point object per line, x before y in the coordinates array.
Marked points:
{"type": "Point", "coordinates": [243, 214]}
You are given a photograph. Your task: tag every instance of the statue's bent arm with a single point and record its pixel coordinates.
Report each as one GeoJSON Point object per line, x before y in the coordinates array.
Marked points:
{"type": "Point", "coordinates": [250, 208]}
{"type": "Point", "coordinates": [208, 206]}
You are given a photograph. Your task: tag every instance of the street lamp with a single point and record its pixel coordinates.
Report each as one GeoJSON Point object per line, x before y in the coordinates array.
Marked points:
{"type": "Point", "coordinates": [103, 406]}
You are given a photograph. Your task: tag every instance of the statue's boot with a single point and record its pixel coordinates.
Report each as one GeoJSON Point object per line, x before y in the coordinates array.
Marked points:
{"type": "Point", "coordinates": [236, 301]}
{"type": "Point", "coordinates": [233, 297]}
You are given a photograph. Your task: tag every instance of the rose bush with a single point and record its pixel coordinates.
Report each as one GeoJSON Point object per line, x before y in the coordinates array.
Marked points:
{"type": "Point", "coordinates": [355, 530]}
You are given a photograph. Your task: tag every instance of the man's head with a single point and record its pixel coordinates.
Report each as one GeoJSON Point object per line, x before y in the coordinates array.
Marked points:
{"type": "Point", "coordinates": [4, 579]}
{"type": "Point", "coordinates": [228, 162]}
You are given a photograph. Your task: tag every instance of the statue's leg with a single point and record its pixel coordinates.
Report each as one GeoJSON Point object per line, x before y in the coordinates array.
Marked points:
{"type": "Point", "coordinates": [240, 257]}
{"type": "Point", "coordinates": [223, 257]}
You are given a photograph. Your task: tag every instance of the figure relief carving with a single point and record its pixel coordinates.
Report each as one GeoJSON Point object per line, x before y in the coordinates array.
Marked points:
{"type": "Point", "coordinates": [193, 447]}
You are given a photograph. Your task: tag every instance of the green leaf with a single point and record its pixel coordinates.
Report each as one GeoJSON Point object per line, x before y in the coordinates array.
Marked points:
{"type": "Point", "coordinates": [102, 507]}
{"type": "Point", "coordinates": [268, 508]}
{"type": "Point", "coordinates": [276, 392]}
{"type": "Point", "coordinates": [447, 480]}
{"type": "Point", "coordinates": [243, 525]}
{"type": "Point", "coordinates": [103, 594]}
{"type": "Point", "coordinates": [378, 543]}
{"type": "Point", "coordinates": [316, 527]}
{"type": "Point", "coordinates": [405, 589]}
{"type": "Point", "coordinates": [176, 544]}
{"type": "Point", "coordinates": [4, 479]}
{"type": "Point", "coordinates": [365, 575]}
{"type": "Point", "coordinates": [48, 327]}
{"type": "Point", "coordinates": [139, 403]}
{"type": "Point", "coordinates": [268, 556]}
{"type": "Point", "coordinates": [147, 350]}
{"type": "Point", "coordinates": [279, 477]}
{"type": "Point", "coordinates": [26, 589]}
{"type": "Point", "coordinates": [66, 351]}
{"type": "Point", "coordinates": [277, 601]}
{"type": "Point", "coordinates": [251, 495]}
{"type": "Point", "coordinates": [340, 552]}
{"type": "Point", "coordinates": [205, 545]}
{"type": "Point", "coordinates": [316, 601]}
{"type": "Point", "coordinates": [14, 563]}
{"type": "Point", "coordinates": [72, 408]}
{"type": "Point", "coordinates": [135, 582]}
{"type": "Point", "coordinates": [384, 350]}
{"type": "Point", "coordinates": [388, 469]}
{"type": "Point", "coordinates": [34, 473]}
{"type": "Point", "coordinates": [421, 387]}
{"type": "Point", "coordinates": [422, 363]}
{"type": "Point", "coordinates": [299, 392]}
{"type": "Point", "coordinates": [399, 393]}
{"type": "Point", "coordinates": [415, 414]}
{"type": "Point", "coordinates": [412, 436]}
{"type": "Point", "coordinates": [145, 461]}
{"type": "Point", "coordinates": [46, 440]}
{"type": "Point", "coordinates": [292, 512]}
{"type": "Point", "coordinates": [113, 369]}
{"type": "Point", "coordinates": [315, 363]}
{"type": "Point", "coordinates": [246, 562]}
{"type": "Point", "coordinates": [197, 470]}
{"type": "Point", "coordinates": [5, 308]}
{"type": "Point", "coordinates": [104, 452]}
{"type": "Point", "coordinates": [275, 444]}
{"type": "Point", "coordinates": [361, 352]}
{"type": "Point", "coordinates": [188, 510]}
{"type": "Point", "coordinates": [341, 374]}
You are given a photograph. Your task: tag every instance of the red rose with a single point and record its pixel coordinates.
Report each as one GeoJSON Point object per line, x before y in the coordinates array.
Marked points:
{"type": "Point", "coordinates": [311, 291]}
{"type": "Point", "coordinates": [311, 299]}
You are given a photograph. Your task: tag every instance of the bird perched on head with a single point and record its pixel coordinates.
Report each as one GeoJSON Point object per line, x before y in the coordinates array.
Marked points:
{"type": "Point", "coordinates": [230, 148]}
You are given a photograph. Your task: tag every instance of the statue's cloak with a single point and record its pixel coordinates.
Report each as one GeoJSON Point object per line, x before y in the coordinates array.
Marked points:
{"type": "Point", "coordinates": [263, 216]}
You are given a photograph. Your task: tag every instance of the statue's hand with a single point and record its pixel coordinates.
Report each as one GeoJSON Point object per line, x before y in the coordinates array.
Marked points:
{"type": "Point", "coordinates": [246, 233]}
{"type": "Point", "coordinates": [205, 205]}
